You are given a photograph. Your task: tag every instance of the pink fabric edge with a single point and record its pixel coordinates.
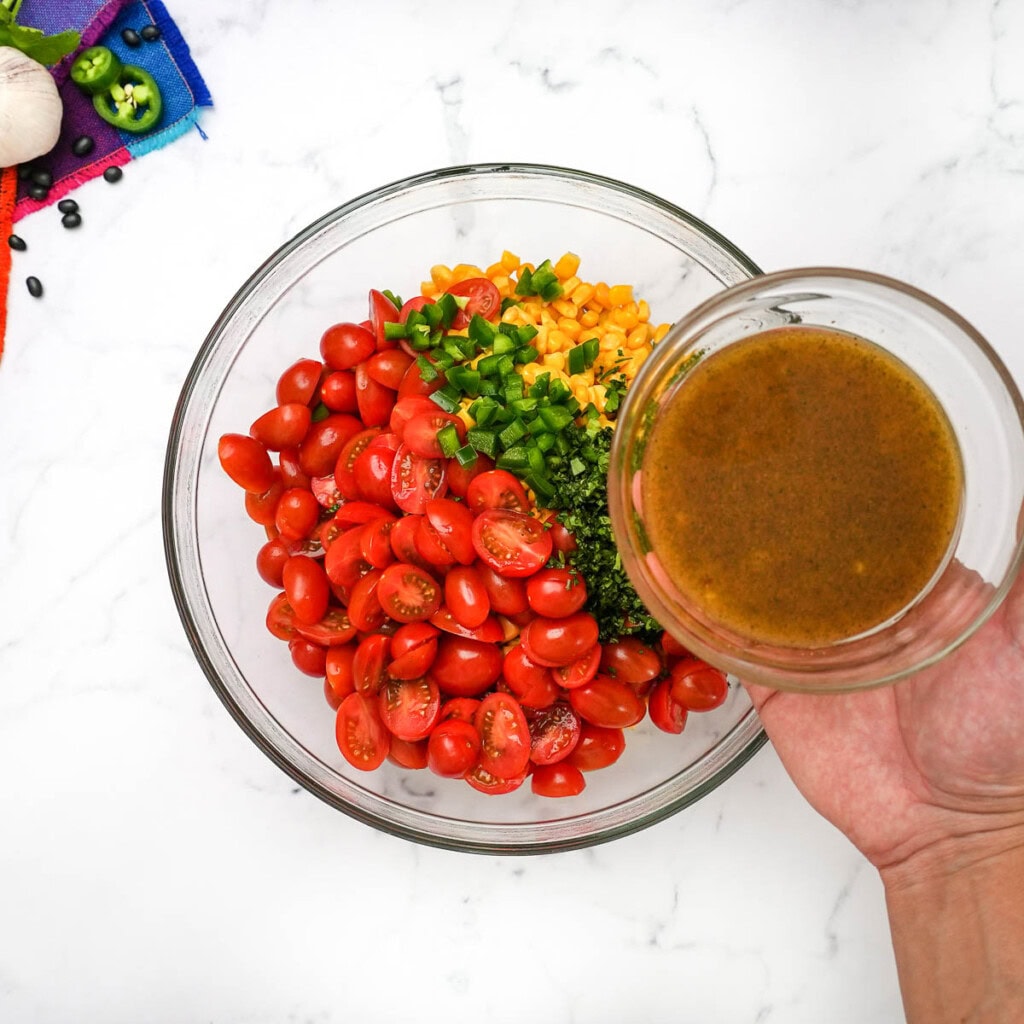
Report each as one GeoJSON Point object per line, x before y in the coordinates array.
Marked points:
{"type": "Point", "coordinates": [69, 183]}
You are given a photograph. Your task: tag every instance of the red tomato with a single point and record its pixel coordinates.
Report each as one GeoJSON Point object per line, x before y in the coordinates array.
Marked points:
{"type": "Point", "coordinates": [389, 367]}
{"type": "Point", "coordinates": [484, 299]}
{"type": "Point", "coordinates": [465, 596]}
{"type": "Point", "coordinates": [364, 610]}
{"type": "Point", "coordinates": [557, 642]}
{"type": "Point", "coordinates": [556, 592]}
{"type": "Point", "coordinates": [408, 593]}
{"type": "Point", "coordinates": [292, 473]}
{"type": "Point", "coordinates": [319, 451]}
{"type": "Point", "coordinates": [460, 707]}
{"type": "Point", "coordinates": [453, 523]}
{"type": "Point", "coordinates": [281, 618]}
{"type": "Point", "coordinates": [410, 708]}
{"type": "Point", "coordinates": [464, 667]}
{"type": "Point", "coordinates": [299, 382]}
{"type": "Point", "coordinates": [330, 531]}
{"type": "Point", "coordinates": [697, 685]}
{"type": "Point", "coordinates": [597, 748]}
{"type": "Point", "coordinates": [430, 546]}
{"type": "Point", "coordinates": [672, 647]}
{"type": "Point", "coordinates": [368, 663]}
{"type": "Point", "coordinates": [460, 477]}
{"type": "Point", "coordinates": [338, 667]}
{"type": "Point", "coordinates": [561, 538]}
{"type": "Point", "coordinates": [362, 737]}
{"type": "Point", "coordinates": [413, 650]}
{"type": "Point", "coordinates": [344, 346]}
{"type": "Point", "coordinates": [333, 630]}
{"type": "Point", "coordinates": [630, 660]}
{"type": "Point", "coordinates": [297, 513]}
{"type": "Point", "coordinates": [262, 508]}
{"type": "Point", "coordinates": [382, 311]}
{"type": "Point", "coordinates": [485, 782]}
{"type": "Point", "coordinates": [375, 401]}
{"type": "Point", "coordinates": [406, 409]}
{"type": "Point", "coordinates": [246, 461]}
{"type": "Point", "coordinates": [414, 481]}
{"type": "Point", "coordinates": [414, 384]}
{"type": "Point", "coordinates": [554, 733]}
{"type": "Point", "coordinates": [344, 562]}
{"type": "Point", "coordinates": [284, 426]}
{"type": "Point", "coordinates": [504, 736]}
{"type": "Point", "coordinates": [420, 432]}
{"type": "Point", "coordinates": [375, 542]}
{"type": "Point", "coordinates": [554, 780]}
{"type": "Point", "coordinates": [496, 488]}
{"type": "Point", "coordinates": [371, 472]}
{"type": "Point", "coordinates": [507, 595]}
{"type": "Point", "coordinates": [408, 754]}
{"type": "Point", "coordinates": [416, 302]}
{"type": "Point", "coordinates": [531, 683]}
{"type": "Point", "coordinates": [403, 541]}
{"type": "Point", "coordinates": [325, 490]}
{"type": "Point", "coordinates": [358, 513]}
{"type": "Point", "coordinates": [270, 561]}
{"type": "Point", "coordinates": [606, 701]}
{"type": "Point", "coordinates": [453, 748]}
{"type": "Point", "coordinates": [580, 671]}
{"type": "Point", "coordinates": [488, 633]}
{"type": "Point", "coordinates": [308, 657]}
{"type": "Point", "coordinates": [338, 391]}
{"type": "Point", "coordinates": [665, 711]}
{"type": "Point", "coordinates": [511, 543]}
{"type": "Point", "coordinates": [305, 583]}
{"type": "Point", "coordinates": [344, 464]}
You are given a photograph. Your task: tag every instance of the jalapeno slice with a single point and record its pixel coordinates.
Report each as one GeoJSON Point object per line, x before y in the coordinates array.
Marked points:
{"type": "Point", "coordinates": [95, 70]}
{"type": "Point", "coordinates": [132, 103]}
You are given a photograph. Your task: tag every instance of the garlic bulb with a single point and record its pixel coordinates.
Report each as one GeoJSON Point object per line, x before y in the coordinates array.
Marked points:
{"type": "Point", "coordinates": [30, 108]}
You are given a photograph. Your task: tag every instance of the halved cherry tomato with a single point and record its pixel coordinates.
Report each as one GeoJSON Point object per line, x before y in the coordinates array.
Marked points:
{"type": "Point", "coordinates": [453, 523]}
{"type": "Point", "coordinates": [364, 609]}
{"type": "Point", "coordinates": [344, 346]}
{"type": "Point", "coordinates": [362, 737]}
{"type": "Point", "coordinates": [554, 732]}
{"type": "Point", "coordinates": [464, 667]}
{"type": "Point", "coordinates": [484, 781]}
{"type": "Point", "coordinates": [606, 701]}
{"type": "Point", "coordinates": [430, 546]}
{"type": "Point", "coordinates": [297, 513]}
{"type": "Point", "coordinates": [557, 642]}
{"type": "Point", "coordinates": [415, 480]}
{"type": "Point", "coordinates": [504, 736]}
{"type": "Point", "coordinates": [460, 477]}
{"type": "Point", "coordinates": [630, 660]}
{"type": "Point", "coordinates": [411, 754]}
{"type": "Point", "coordinates": [284, 426]}
{"type": "Point", "coordinates": [281, 618]}
{"type": "Point", "coordinates": [556, 592]}
{"type": "Point", "coordinates": [371, 472]}
{"type": "Point", "coordinates": [246, 461]}
{"type": "Point", "coordinates": [511, 543]}
{"type": "Point", "coordinates": [465, 596]}
{"type": "Point", "coordinates": [338, 391]}
{"type": "Point", "coordinates": [580, 671]}
{"type": "Point", "coordinates": [453, 748]}
{"type": "Point", "coordinates": [305, 583]}
{"type": "Point", "coordinates": [299, 382]}
{"type": "Point", "coordinates": [375, 401]}
{"type": "Point", "coordinates": [270, 561]}
{"type": "Point", "coordinates": [344, 562]}
{"type": "Point", "coordinates": [403, 541]}
{"type": "Point", "coordinates": [324, 441]}
{"type": "Point", "coordinates": [672, 647]}
{"type": "Point", "coordinates": [698, 685]}
{"type": "Point", "coordinates": [413, 650]}
{"type": "Point", "coordinates": [665, 711]}
{"type": "Point", "coordinates": [561, 538]}
{"type": "Point", "coordinates": [597, 748]}
{"type": "Point", "coordinates": [406, 409]}
{"type": "Point", "coordinates": [490, 632]}
{"type": "Point", "coordinates": [460, 707]}
{"type": "Point", "coordinates": [410, 708]}
{"type": "Point", "coordinates": [496, 488]}
{"type": "Point", "coordinates": [420, 432]}
{"type": "Point", "coordinates": [389, 367]}
{"type": "Point", "coordinates": [358, 513]}
{"type": "Point", "coordinates": [262, 508]}
{"type": "Point", "coordinates": [338, 667]}
{"type": "Point", "coordinates": [325, 490]}
{"type": "Point", "coordinates": [369, 662]}
{"type": "Point", "coordinates": [333, 630]}
{"type": "Point", "coordinates": [484, 300]}
{"type": "Point", "coordinates": [531, 683]}
{"type": "Point", "coordinates": [414, 384]}
{"type": "Point", "coordinates": [375, 542]}
{"type": "Point", "coordinates": [292, 473]}
{"type": "Point", "coordinates": [344, 464]}
{"type": "Point", "coordinates": [507, 595]}
{"type": "Point", "coordinates": [382, 311]}
{"type": "Point", "coordinates": [408, 593]}
{"type": "Point", "coordinates": [416, 302]}
{"type": "Point", "coordinates": [554, 780]}
{"type": "Point", "coordinates": [308, 657]}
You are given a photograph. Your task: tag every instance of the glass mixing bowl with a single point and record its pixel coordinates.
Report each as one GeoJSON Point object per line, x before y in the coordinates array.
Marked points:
{"type": "Point", "coordinates": [982, 405]}
{"type": "Point", "coordinates": [390, 238]}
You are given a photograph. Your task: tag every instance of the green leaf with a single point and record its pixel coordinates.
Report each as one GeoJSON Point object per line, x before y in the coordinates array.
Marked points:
{"type": "Point", "coordinates": [33, 42]}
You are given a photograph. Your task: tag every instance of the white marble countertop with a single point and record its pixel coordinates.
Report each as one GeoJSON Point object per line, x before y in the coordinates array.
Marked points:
{"type": "Point", "coordinates": [154, 865]}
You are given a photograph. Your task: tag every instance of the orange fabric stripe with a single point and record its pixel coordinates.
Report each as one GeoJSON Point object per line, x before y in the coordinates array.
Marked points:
{"type": "Point", "coordinates": [8, 193]}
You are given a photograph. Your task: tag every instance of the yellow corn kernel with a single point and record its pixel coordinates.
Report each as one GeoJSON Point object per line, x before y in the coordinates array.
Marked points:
{"type": "Point", "coordinates": [610, 342]}
{"type": "Point", "coordinates": [570, 285]}
{"type": "Point", "coordinates": [586, 334]}
{"type": "Point", "coordinates": [660, 331]}
{"type": "Point", "coordinates": [637, 336]}
{"type": "Point", "coordinates": [554, 361]}
{"type": "Point", "coordinates": [582, 294]}
{"type": "Point", "coordinates": [602, 295]}
{"type": "Point", "coordinates": [620, 294]}
{"type": "Point", "coordinates": [559, 340]}
{"type": "Point", "coordinates": [625, 317]}
{"type": "Point", "coordinates": [567, 266]}
{"type": "Point", "coordinates": [570, 327]}
{"type": "Point", "coordinates": [510, 261]}
{"type": "Point", "coordinates": [533, 310]}
{"type": "Point", "coordinates": [565, 307]}
{"type": "Point", "coordinates": [643, 311]}
{"type": "Point", "coordinates": [590, 318]}
{"type": "Point", "coordinates": [530, 372]}
{"type": "Point", "coordinates": [598, 393]}
{"type": "Point", "coordinates": [463, 415]}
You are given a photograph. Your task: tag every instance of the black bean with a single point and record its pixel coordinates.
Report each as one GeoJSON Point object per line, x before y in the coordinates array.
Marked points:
{"type": "Point", "coordinates": [35, 286]}
{"type": "Point", "coordinates": [42, 177]}
{"type": "Point", "coordinates": [113, 174]}
{"type": "Point", "coordinates": [67, 206]}
{"type": "Point", "coordinates": [25, 172]}
{"type": "Point", "coordinates": [131, 37]}
{"type": "Point", "coordinates": [83, 145]}
{"type": "Point", "coordinates": [151, 33]}
{"type": "Point", "coordinates": [17, 242]}
{"type": "Point", "coordinates": [38, 192]}
{"type": "Point", "coordinates": [71, 220]}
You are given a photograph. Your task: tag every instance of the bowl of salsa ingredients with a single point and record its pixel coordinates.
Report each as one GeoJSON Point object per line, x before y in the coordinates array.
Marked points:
{"type": "Point", "coordinates": [386, 512]}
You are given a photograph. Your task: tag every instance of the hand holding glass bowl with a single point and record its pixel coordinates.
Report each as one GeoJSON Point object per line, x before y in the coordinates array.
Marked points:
{"type": "Point", "coordinates": [984, 411]}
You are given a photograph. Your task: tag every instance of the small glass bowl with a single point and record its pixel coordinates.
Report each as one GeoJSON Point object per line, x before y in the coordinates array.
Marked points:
{"type": "Point", "coordinates": [391, 237]}
{"type": "Point", "coordinates": [982, 404]}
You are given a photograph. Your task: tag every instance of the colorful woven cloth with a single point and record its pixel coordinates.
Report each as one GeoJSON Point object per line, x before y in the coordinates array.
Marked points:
{"type": "Point", "coordinates": [167, 59]}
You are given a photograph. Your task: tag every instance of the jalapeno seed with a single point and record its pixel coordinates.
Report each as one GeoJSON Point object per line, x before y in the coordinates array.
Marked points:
{"type": "Point", "coordinates": [151, 33]}
{"type": "Point", "coordinates": [83, 145]}
{"type": "Point", "coordinates": [112, 174]}
{"type": "Point", "coordinates": [35, 287]}
{"type": "Point", "coordinates": [17, 242]}
{"type": "Point", "coordinates": [67, 206]}
{"type": "Point", "coordinates": [71, 220]}
{"type": "Point", "coordinates": [131, 37]}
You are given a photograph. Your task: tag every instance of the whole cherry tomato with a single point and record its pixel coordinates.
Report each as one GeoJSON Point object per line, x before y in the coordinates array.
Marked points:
{"type": "Point", "coordinates": [697, 685]}
{"type": "Point", "coordinates": [246, 461]}
{"type": "Point", "coordinates": [308, 657]}
{"type": "Point", "coordinates": [305, 583]}
{"type": "Point", "coordinates": [345, 345]}
{"type": "Point", "coordinates": [557, 642]}
{"type": "Point", "coordinates": [299, 382]}
{"type": "Point", "coordinates": [453, 748]}
{"type": "Point", "coordinates": [284, 426]}
{"type": "Point", "coordinates": [464, 667]}
{"type": "Point", "coordinates": [465, 596]}
{"type": "Point", "coordinates": [556, 592]}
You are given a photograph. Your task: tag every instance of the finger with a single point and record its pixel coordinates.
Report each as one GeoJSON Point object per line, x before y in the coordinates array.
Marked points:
{"type": "Point", "coordinates": [759, 695]}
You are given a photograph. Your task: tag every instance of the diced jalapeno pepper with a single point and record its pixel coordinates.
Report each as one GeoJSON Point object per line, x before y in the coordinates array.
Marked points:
{"type": "Point", "coordinates": [132, 103]}
{"type": "Point", "coordinates": [95, 70]}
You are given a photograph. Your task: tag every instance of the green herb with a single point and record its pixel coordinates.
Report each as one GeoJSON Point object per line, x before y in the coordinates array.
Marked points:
{"type": "Point", "coordinates": [33, 42]}
{"type": "Point", "coordinates": [580, 482]}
